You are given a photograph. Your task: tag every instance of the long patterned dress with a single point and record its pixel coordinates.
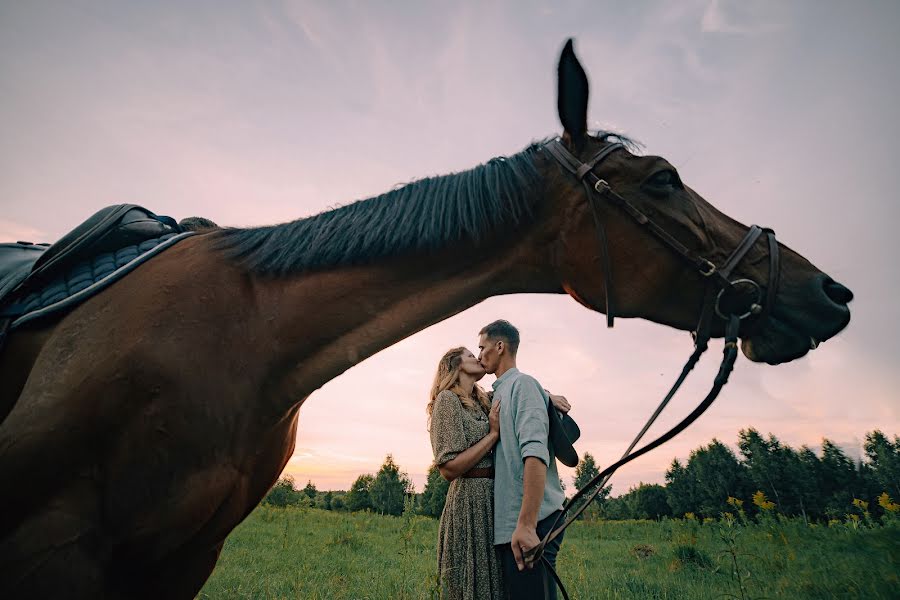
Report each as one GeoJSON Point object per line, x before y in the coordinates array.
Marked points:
{"type": "Point", "coordinates": [467, 564]}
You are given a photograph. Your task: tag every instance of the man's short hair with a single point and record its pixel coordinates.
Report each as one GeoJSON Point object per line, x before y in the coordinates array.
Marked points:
{"type": "Point", "coordinates": [502, 330]}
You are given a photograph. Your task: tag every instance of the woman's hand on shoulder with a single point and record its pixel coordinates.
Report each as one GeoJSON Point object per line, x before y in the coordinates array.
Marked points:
{"type": "Point", "coordinates": [560, 403]}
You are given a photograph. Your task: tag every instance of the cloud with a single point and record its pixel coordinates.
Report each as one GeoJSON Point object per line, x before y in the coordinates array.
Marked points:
{"type": "Point", "coordinates": [719, 18]}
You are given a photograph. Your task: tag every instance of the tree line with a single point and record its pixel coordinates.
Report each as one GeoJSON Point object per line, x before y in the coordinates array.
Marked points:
{"type": "Point", "coordinates": [794, 482]}
{"type": "Point", "coordinates": [769, 475]}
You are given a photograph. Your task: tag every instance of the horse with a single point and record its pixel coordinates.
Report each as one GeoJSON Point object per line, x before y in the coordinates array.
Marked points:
{"type": "Point", "coordinates": [145, 424]}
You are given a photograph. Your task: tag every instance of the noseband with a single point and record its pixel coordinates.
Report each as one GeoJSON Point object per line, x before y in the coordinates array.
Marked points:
{"type": "Point", "coordinates": [719, 300]}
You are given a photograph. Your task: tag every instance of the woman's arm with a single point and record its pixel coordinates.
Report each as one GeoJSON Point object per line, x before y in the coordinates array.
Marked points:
{"type": "Point", "coordinates": [470, 457]}
{"type": "Point", "coordinates": [467, 459]}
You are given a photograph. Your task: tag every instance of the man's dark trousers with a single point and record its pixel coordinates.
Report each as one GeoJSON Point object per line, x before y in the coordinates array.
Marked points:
{"type": "Point", "coordinates": [530, 583]}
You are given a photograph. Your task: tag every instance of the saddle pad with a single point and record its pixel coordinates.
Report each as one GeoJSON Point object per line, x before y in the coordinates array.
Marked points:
{"type": "Point", "coordinates": [85, 279]}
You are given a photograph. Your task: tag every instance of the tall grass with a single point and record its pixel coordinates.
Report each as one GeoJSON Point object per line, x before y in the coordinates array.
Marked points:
{"type": "Point", "coordinates": [280, 553]}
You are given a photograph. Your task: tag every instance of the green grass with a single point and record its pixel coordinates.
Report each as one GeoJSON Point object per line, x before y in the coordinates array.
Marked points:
{"type": "Point", "coordinates": [307, 553]}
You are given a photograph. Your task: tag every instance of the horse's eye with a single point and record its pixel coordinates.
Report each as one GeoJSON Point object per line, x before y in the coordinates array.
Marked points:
{"type": "Point", "coordinates": [666, 178]}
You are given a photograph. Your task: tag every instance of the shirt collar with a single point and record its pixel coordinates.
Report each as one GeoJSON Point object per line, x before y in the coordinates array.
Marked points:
{"type": "Point", "coordinates": [509, 373]}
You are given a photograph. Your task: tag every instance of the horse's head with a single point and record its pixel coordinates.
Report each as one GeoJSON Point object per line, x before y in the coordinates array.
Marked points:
{"type": "Point", "coordinates": [648, 277]}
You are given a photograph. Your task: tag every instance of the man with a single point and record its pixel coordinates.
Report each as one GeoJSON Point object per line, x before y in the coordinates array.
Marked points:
{"type": "Point", "coordinates": [527, 491]}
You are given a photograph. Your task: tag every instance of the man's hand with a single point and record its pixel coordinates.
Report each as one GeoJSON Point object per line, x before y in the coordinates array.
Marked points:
{"type": "Point", "coordinates": [560, 403]}
{"type": "Point", "coordinates": [523, 539]}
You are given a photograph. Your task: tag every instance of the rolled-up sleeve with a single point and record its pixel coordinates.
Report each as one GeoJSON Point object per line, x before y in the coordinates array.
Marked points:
{"type": "Point", "coordinates": [531, 421]}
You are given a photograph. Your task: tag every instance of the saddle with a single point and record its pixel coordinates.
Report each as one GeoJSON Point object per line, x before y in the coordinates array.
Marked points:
{"type": "Point", "coordinates": [36, 279]}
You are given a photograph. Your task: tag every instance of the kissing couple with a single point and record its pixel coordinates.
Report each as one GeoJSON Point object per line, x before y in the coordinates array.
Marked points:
{"type": "Point", "coordinates": [499, 453]}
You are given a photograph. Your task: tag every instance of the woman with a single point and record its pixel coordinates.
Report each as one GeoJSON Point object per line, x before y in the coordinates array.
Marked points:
{"type": "Point", "coordinates": [464, 429]}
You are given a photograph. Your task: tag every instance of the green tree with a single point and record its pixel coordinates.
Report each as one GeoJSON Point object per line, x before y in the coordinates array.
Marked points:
{"type": "Point", "coordinates": [310, 490]}
{"type": "Point", "coordinates": [808, 473]}
{"type": "Point", "coordinates": [282, 493]}
{"type": "Point", "coordinates": [358, 498]}
{"type": "Point", "coordinates": [680, 489]}
{"type": "Point", "coordinates": [584, 472]}
{"type": "Point", "coordinates": [389, 488]}
{"type": "Point", "coordinates": [774, 469]}
{"type": "Point", "coordinates": [711, 475]}
{"type": "Point", "coordinates": [884, 460]}
{"type": "Point", "coordinates": [838, 479]}
{"type": "Point", "coordinates": [323, 501]}
{"type": "Point", "coordinates": [647, 501]}
{"type": "Point", "coordinates": [435, 493]}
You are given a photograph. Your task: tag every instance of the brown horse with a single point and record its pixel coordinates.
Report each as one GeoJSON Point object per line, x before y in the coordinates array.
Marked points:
{"type": "Point", "coordinates": [139, 429]}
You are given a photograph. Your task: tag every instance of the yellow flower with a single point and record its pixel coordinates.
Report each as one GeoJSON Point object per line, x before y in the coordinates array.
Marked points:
{"type": "Point", "coordinates": [861, 504]}
{"type": "Point", "coordinates": [760, 500]}
{"type": "Point", "coordinates": [884, 501]}
{"type": "Point", "coordinates": [735, 502]}
{"type": "Point", "coordinates": [692, 517]}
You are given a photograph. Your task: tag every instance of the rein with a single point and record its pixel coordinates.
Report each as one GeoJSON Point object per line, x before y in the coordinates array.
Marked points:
{"type": "Point", "coordinates": [719, 291]}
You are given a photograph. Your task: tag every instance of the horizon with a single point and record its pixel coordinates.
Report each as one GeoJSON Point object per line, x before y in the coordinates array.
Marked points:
{"type": "Point", "coordinates": [248, 114]}
{"type": "Point", "coordinates": [854, 453]}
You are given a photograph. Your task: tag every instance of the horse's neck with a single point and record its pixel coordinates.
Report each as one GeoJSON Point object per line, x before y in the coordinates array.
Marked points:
{"type": "Point", "coordinates": [327, 322]}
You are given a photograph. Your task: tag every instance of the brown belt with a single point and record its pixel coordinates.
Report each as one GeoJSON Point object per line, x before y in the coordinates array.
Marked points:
{"type": "Point", "coordinates": [485, 473]}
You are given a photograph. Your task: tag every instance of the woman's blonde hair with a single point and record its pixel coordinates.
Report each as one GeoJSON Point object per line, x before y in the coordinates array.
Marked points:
{"type": "Point", "coordinates": [447, 378]}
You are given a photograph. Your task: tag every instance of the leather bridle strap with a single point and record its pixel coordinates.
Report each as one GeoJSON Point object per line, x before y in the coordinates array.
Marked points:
{"type": "Point", "coordinates": [556, 148]}
{"type": "Point", "coordinates": [581, 170]}
{"type": "Point", "coordinates": [720, 284]}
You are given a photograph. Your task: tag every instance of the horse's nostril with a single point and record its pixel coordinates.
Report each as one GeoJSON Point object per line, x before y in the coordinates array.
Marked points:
{"type": "Point", "coordinates": [836, 292]}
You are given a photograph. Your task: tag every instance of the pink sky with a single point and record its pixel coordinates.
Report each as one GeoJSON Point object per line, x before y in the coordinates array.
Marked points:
{"type": "Point", "coordinates": [250, 113]}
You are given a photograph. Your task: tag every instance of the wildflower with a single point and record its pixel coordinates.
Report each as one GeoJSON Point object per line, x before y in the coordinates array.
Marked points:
{"type": "Point", "coordinates": [689, 516]}
{"type": "Point", "coordinates": [708, 520]}
{"type": "Point", "coordinates": [735, 502]}
{"type": "Point", "coordinates": [884, 501]}
{"type": "Point", "coordinates": [861, 504]}
{"type": "Point", "coordinates": [760, 500]}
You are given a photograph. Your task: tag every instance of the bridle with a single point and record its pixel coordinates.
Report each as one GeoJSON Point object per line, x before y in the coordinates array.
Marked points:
{"type": "Point", "coordinates": [719, 301]}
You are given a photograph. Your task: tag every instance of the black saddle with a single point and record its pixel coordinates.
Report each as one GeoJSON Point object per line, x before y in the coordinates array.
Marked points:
{"type": "Point", "coordinates": [107, 229]}
{"type": "Point", "coordinates": [24, 265]}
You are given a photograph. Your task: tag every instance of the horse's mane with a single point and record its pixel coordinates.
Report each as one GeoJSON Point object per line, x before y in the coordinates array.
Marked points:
{"type": "Point", "coordinates": [425, 215]}
{"type": "Point", "coordinates": [421, 216]}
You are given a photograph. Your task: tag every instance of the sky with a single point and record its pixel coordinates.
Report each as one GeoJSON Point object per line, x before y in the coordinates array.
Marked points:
{"type": "Point", "coordinates": [250, 113]}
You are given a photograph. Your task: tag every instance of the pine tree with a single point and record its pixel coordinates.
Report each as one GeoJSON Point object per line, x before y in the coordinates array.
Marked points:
{"type": "Point", "coordinates": [310, 490]}
{"type": "Point", "coordinates": [435, 493]}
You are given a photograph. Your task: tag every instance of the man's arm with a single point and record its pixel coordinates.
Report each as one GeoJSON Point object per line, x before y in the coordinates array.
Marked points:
{"type": "Point", "coordinates": [532, 429]}
{"type": "Point", "coordinates": [525, 536]}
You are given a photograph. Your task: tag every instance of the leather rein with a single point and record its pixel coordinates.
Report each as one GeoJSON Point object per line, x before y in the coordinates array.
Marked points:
{"type": "Point", "coordinates": [719, 301]}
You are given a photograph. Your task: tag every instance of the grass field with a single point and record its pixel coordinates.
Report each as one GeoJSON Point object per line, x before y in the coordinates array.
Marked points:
{"type": "Point", "coordinates": [309, 553]}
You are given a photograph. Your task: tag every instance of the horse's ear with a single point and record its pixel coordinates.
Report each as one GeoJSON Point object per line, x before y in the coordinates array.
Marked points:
{"type": "Point", "coordinates": [573, 96]}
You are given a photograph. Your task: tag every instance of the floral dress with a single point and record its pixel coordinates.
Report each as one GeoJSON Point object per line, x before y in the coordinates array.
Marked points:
{"type": "Point", "coordinates": [467, 564]}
